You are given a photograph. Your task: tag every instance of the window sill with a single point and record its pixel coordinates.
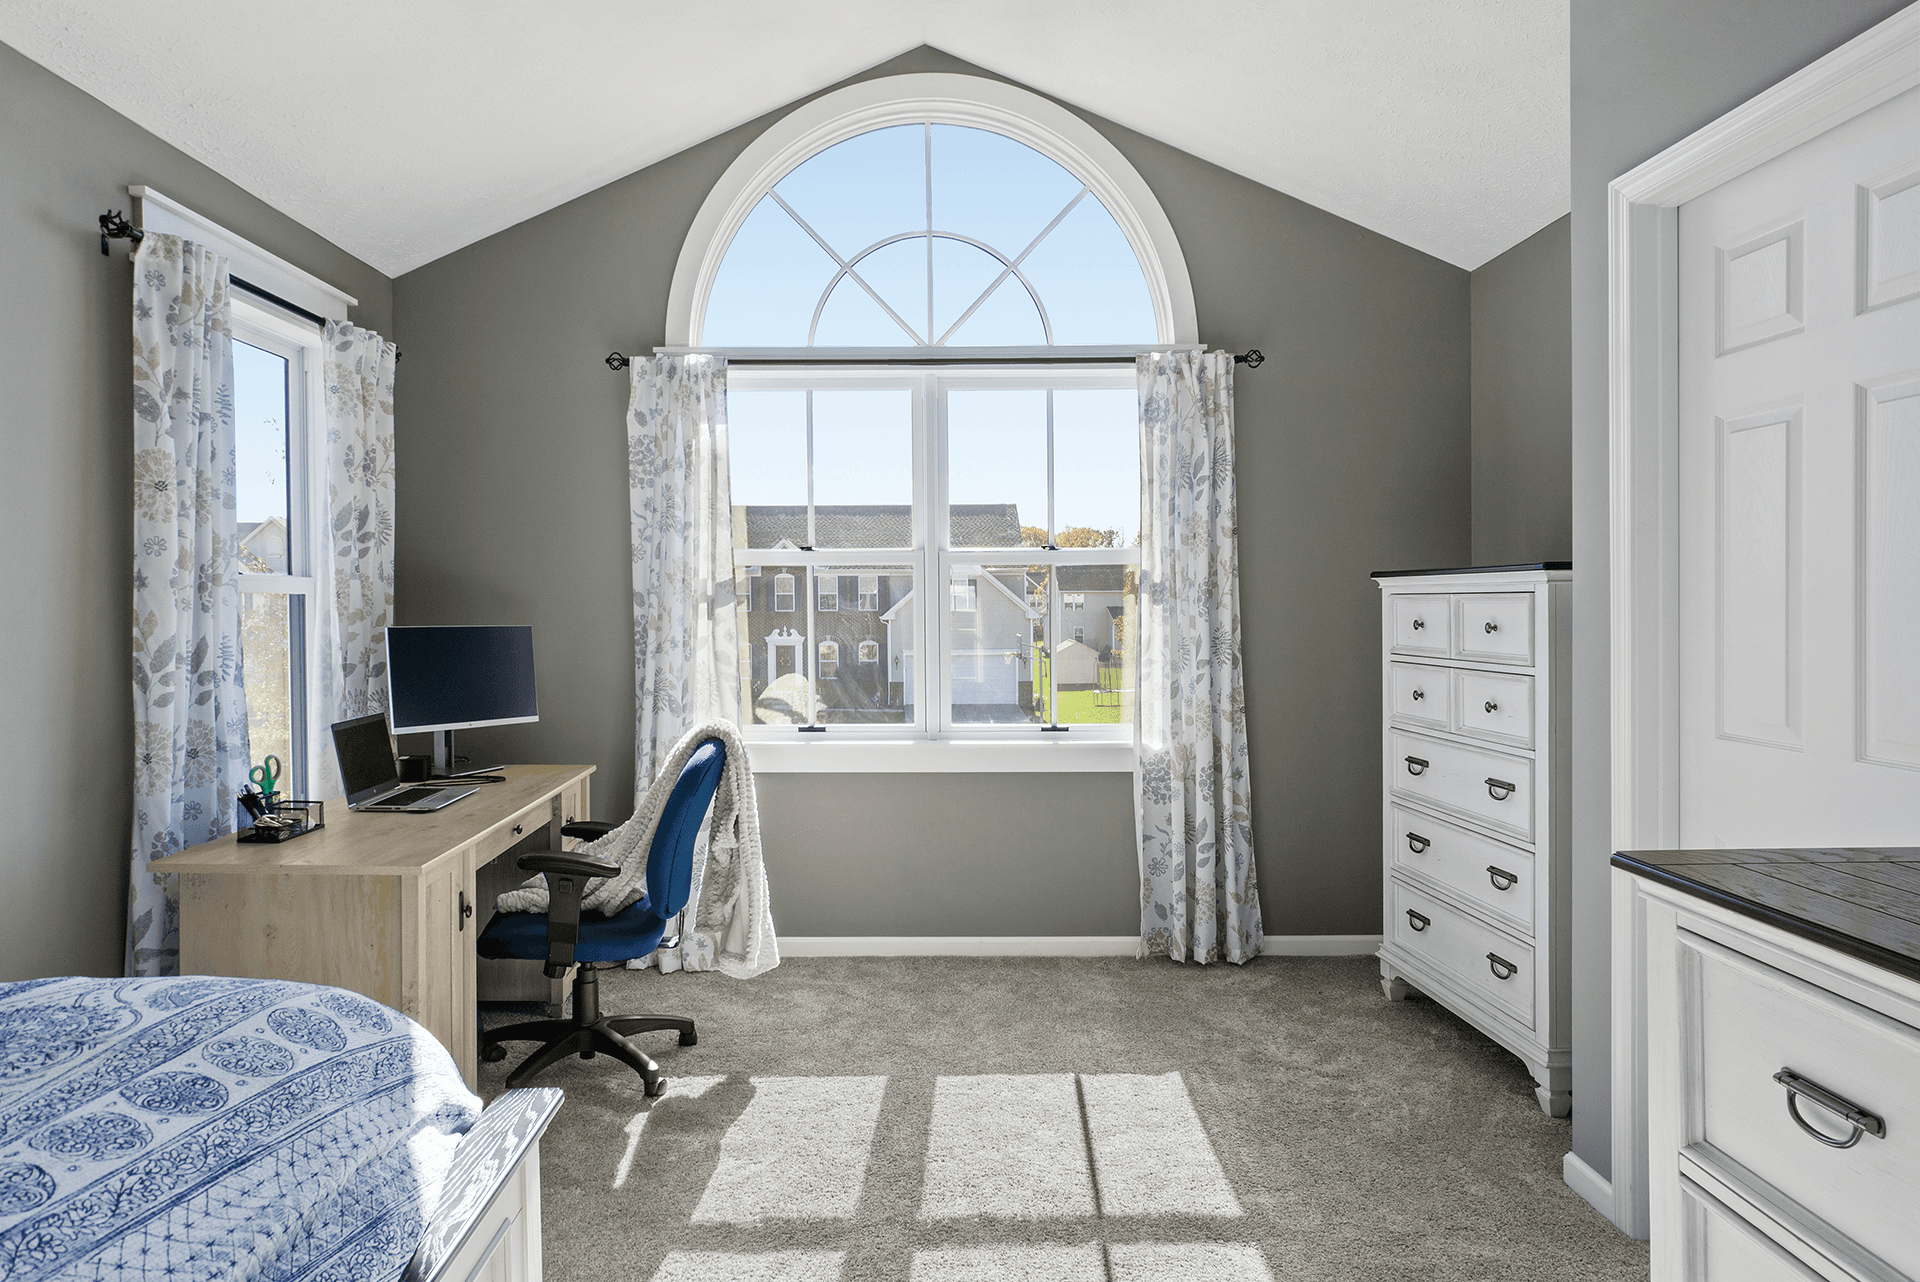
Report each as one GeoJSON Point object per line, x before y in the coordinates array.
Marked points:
{"type": "Point", "coordinates": [1057, 754]}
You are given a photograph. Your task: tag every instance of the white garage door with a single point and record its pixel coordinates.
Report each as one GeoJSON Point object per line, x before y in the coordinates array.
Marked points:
{"type": "Point", "coordinates": [985, 676]}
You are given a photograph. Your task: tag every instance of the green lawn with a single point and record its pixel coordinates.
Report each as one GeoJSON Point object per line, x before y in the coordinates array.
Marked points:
{"type": "Point", "coordinates": [1077, 707]}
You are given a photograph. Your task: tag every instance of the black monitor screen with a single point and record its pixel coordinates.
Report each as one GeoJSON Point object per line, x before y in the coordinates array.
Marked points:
{"type": "Point", "coordinates": [453, 678]}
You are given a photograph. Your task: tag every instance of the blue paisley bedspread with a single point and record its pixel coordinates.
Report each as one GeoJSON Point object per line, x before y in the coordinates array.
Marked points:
{"type": "Point", "coordinates": [195, 1128]}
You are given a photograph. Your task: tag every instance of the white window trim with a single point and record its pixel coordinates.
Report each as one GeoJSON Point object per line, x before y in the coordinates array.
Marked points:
{"type": "Point", "coordinates": [930, 735]}
{"type": "Point", "coordinates": [154, 211]}
{"type": "Point", "coordinates": [788, 594]}
{"type": "Point", "coordinates": [943, 98]}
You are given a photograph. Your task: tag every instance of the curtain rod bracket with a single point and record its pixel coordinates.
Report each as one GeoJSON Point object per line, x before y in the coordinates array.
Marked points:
{"type": "Point", "coordinates": [114, 226]}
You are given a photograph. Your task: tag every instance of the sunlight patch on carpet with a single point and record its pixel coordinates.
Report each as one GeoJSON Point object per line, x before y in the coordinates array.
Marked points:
{"type": "Point", "coordinates": [678, 1088]}
{"type": "Point", "coordinates": [1151, 1156]}
{"type": "Point", "coordinates": [742, 1266]}
{"type": "Point", "coordinates": [1009, 1147]}
{"type": "Point", "coordinates": [1214, 1261]}
{"type": "Point", "coordinates": [797, 1152]}
{"type": "Point", "coordinates": [1010, 1264]}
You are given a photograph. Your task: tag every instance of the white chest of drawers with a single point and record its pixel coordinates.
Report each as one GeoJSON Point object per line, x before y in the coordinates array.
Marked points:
{"type": "Point", "coordinates": [1474, 700]}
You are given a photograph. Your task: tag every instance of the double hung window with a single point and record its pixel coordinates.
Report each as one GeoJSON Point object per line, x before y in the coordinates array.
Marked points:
{"type": "Point", "coordinates": [1010, 491]}
{"type": "Point", "coordinates": [276, 360]}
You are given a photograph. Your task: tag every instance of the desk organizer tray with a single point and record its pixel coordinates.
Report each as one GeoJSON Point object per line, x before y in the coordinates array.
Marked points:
{"type": "Point", "coordinates": [306, 816]}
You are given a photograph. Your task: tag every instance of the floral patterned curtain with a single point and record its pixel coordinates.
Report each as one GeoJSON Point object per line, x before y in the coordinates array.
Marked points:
{"type": "Point", "coordinates": [685, 637]}
{"type": "Point", "coordinates": [189, 700]}
{"type": "Point", "coordinates": [1193, 800]}
{"type": "Point", "coordinates": [355, 574]}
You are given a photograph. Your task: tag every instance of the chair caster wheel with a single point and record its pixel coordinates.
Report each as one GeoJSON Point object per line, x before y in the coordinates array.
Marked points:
{"type": "Point", "coordinates": [493, 1053]}
{"type": "Point", "coordinates": [689, 1039]}
{"type": "Point", "coordinates": [657, 1087]}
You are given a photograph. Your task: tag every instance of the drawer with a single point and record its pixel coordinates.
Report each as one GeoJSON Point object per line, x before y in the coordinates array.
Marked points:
{"type": "Point", "coordinates": [1720, 1246]}
{"type": "Point", "coordinates": [1494, 626]}
{"type": "Point", "coordinates": [1489, 874]}
{"type": "Point", "coordinates": [1486, 962]}
{"type": "Point", "coordinates": [1497, 706]}
{"type": "Point", "coordinates": [1495, 788]}
{"type": "Point", "coordinates": [1750, 1022]}
{"type": "Point", "coordinates": [1421, 695]}
{"type": "Point", "coordinates": [1420, 625]}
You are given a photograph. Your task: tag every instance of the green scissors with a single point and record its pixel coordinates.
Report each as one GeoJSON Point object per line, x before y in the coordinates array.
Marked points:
{"type": "Point", "coordinates": [266, 775]}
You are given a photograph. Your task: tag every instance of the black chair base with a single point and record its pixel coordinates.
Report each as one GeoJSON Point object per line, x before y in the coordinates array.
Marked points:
{"type": "Point", "coordinates": [587, 1034]}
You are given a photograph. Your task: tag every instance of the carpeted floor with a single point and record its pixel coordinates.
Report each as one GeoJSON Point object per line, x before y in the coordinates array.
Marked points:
{"type": "Point", "coordinates": [1059, 1120]}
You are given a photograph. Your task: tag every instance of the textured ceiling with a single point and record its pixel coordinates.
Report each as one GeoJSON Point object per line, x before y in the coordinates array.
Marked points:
{"type": "Point", "coordinates": [403, 131]}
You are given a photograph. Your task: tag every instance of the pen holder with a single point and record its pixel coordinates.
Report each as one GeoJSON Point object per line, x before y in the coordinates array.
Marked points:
{"type": "Point", "coordinates": [285, 820]}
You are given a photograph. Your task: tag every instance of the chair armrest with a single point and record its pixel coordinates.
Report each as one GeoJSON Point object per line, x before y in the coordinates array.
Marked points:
{"type": "Point", "coordinates": [586, 829]}
{"type": "Point", "coordinates": [567, 876]}
{"type": "Point", "coordinates": [565, 861]}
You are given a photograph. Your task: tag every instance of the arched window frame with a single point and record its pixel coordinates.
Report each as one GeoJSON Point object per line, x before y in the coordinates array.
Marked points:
{"type": "Point", "coordinates": [942, 98]}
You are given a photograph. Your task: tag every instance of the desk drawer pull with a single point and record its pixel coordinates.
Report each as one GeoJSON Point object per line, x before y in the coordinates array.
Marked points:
{"type": "Point", "coordinates": [1418, 921]}
{"type": "Point", "coordinates": [1418, 694]}
{"type": "Point", "coordinates": [1416, 765]}
{"type": "Point", "coordinates": [1862, 1122]}
{"type": "Point", "coordinates": [518, 829]}
{"type": "Point", "coordinates": [1501, 967]}
{"type": "Point", "coordinates": [1499, 789]}
{"type": "Point", "coordinates": [1492, 626]}
{"type": "Point", "coordinates": [1492, 706]}
{"type": "Point", "coordinates": [1417, 844]}
{"type": "Point", "coordinates": [1418, 624]}
{"type": "Point", "coordinates": [1501, 878]}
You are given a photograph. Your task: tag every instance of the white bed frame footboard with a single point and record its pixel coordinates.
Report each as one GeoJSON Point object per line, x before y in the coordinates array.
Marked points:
{"type": "Point", "coordinates": [487, 1225]}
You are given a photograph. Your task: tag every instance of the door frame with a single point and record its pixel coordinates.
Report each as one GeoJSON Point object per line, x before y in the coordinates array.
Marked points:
{"type": "Point", "coordinates": [1643, 394]}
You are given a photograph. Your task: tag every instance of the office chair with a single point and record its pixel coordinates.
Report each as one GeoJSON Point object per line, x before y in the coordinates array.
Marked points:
{"type": "Point", "coordinates": [564, 935]}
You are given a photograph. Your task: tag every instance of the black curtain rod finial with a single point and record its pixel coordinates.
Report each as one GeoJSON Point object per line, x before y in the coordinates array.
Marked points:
{"type": "Point", "coordinates": [1251, 358]}
{"type": "Point", "coordinates": [616, 362]}
{"type": "Point", "coordinates": [114, 226]}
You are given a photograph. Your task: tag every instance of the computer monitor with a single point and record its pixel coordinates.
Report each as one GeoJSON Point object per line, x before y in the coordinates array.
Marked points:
{"type": "Point", "coordinates": [457, 678]}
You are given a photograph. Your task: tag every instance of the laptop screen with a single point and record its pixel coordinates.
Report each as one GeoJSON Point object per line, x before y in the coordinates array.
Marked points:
{"type": "Point", "coordinates": [365, 749]}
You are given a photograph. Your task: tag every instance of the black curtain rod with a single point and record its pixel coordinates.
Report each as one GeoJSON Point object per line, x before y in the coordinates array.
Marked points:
{"type": "Point", "coordinates": [1251, 358]}
{"type": "Point", "coordinates": [114, 226]}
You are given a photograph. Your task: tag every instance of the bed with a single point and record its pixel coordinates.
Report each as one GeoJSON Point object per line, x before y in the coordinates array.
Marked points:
{"type": "Point", "coordinates": [197, 1128]}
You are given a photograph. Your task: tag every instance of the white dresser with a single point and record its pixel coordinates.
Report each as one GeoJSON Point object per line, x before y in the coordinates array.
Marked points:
{"type": "Point", "coordinates": [1474, 697]}
{"type": "Point", "coordinates": [1782, 1032]}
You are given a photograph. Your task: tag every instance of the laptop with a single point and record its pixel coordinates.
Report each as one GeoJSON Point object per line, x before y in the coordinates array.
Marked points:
{"type": "Point", "coordinates": [371, 773]}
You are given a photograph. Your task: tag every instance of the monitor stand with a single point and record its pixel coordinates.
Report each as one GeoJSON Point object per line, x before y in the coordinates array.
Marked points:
{"type": "Point", "coordinates": [443, 759]}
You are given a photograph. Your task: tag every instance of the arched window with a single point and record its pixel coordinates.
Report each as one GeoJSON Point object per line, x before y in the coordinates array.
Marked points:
{"type": "Point", "coordinates": [930, 211]}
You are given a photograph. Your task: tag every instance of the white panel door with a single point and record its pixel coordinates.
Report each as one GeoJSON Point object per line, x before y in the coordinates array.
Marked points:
{"type": "Point", "coordinates": [1800, 495]}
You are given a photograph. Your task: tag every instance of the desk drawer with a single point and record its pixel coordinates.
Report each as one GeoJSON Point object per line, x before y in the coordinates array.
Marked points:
{"type": "Point", "coordinates": [1494, 626]}
{"type": "Point", "coordinates": [1421, 695]}
{"type": "Point", "coordinates": [1749, 1022]}
{"type": "Point", "coordinates": [1420, 625]}
{"type": "Point", "coordinates": [1495, 788]}
{"type": "Point", "coordinates": [1486, 962]}
{"type": "Point", "coordinates": [1471, 866]}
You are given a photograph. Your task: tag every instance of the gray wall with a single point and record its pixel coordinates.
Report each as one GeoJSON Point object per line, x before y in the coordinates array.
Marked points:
{"type": "Point", "coordinates": [1353, 456]}
{"type": "Point", "coordinates": [1522, 401]}
{"type": "Point", "coordinates": [1646, 73]}
{"type": "Point", "coordinates": [66, 360]}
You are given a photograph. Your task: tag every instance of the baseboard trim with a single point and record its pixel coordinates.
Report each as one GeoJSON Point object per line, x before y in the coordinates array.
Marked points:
{"type": "Point", "coordinates": [1588, 1183]}
{"type": "Point", "coordinates": [1043, 945]}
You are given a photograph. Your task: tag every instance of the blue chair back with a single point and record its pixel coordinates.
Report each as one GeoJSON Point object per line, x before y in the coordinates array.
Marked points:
{"type": "Point", "coordinates": [670, 861]}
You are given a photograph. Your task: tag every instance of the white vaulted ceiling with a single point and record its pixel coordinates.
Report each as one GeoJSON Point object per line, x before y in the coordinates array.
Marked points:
{"type": "Point", "coordinates": [405, 129]}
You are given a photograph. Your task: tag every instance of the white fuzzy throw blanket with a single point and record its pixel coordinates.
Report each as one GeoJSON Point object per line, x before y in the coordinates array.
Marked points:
{"type": "Point", "coordinates": [728, 923]}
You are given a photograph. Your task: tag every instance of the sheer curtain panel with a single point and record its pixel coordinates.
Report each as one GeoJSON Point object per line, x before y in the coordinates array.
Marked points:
{"type": "Point", "coordinates": [189, 700]}
{"type": "Point", "coordinates": [1193, 799]}
{"type": "Point", "coordinates": [354, 596]}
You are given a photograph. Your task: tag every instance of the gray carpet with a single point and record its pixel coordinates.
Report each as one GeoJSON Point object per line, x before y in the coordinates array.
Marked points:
{"type": "Point", "coordinates": [951, 1119]}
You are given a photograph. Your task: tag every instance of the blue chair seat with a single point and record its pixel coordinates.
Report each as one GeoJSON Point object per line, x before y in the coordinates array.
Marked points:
{"type": "Point", "coordinates": [634, 931]}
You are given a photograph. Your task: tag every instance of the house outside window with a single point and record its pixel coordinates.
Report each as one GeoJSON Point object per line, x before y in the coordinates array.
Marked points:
{"type": "Point", "coordinates": [827, 592]}
{"type": "Point", "coordinates": [869, 592]}
{"type": "Point", "coordinates": [869, 652]}
{"type": "Point", "coordinates": [965, 596]}
{"type": "Point", "coordinates": [783, 593]}
{"type": "Point", "coordinates": [829, 660]}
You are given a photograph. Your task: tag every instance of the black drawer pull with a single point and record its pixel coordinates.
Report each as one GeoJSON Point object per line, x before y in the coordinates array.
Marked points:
{"type": "Point", "coordinates": [1419, 694]}
{"type": "Point", "coordinates": [1492, 706]}
{"type": "Point", "coordinates": [1862, 1122]}
{"type": "Point", "coordinates": [1418, 624]}
{"type": "Point", "coordinates": [1501, 878]}
{"type": "Point", "coordinates": [1492, 626]}
{"type": "Point", "coordinates": [1417, 844]}
{"type": "Point", "coordinates": [466, 910]}
{"type": "Point", "coordinates": [1417, 920]}
{"type": "Point", "coordinates": [518, 829]}
{"type": "Point", "coordinates": [1416, 765]}
{"type": "Point", "coordinates": [1501, 967]}
{"type": "Point", "coordinates": [1499, 789]}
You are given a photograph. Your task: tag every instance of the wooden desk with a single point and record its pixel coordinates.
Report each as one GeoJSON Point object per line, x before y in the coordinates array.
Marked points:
{"type": "Point", "coordinates": [382, 904]}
